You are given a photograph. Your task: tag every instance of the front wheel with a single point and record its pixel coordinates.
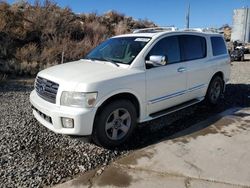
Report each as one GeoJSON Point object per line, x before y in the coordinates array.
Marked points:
{"type": "Point", "coordinates": [214, 91]}
{"type": "Point", "coordinates": [114, 124]}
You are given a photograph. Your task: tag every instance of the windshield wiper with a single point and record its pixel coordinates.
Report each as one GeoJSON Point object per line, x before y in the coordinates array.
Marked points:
{"type": "Point", "coordinates": [104, 59]}
{"type": "Point", "coordinates": [112, 61]}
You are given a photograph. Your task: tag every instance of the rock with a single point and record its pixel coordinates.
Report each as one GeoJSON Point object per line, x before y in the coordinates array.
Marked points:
{"type": "Point", "coordinates": [33, 156]}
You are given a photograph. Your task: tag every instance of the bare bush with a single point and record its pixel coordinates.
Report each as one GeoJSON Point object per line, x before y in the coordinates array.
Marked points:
{"type": "Point", "coordinates": [121, 28]}
{"type": "Point", "coordinates": [28, 52]}
{"type": "Point", "coordinates": [33, 37]}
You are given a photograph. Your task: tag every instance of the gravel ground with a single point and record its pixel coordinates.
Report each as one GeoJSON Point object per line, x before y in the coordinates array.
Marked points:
{"type": "Point", "coordinates": [33, 156]}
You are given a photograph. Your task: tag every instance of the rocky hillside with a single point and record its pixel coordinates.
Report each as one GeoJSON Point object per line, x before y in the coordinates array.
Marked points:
{"type": "Point", "coordinates": [33, 37]}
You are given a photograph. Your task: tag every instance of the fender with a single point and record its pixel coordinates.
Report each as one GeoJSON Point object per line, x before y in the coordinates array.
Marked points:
{"type": "Point", "coordinates": [125, 90]}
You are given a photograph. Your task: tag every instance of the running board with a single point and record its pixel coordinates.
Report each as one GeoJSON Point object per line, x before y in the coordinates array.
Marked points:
{"type": "Point", "coordinates": [175, 108]}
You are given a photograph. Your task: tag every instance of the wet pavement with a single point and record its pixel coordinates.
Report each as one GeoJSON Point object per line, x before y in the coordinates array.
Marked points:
{"type": "Point", "coordinates": [212, 153]}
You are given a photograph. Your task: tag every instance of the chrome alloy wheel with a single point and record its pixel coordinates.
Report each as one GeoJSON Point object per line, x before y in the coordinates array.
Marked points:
{"type": "Point", "coordinates": [118, 124]}
{"type": "Point", "coordinates": [215, 91]}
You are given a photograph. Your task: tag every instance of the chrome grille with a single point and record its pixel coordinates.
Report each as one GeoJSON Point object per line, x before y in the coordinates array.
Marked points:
{"type": "Point", "coordinates": [46, 89]}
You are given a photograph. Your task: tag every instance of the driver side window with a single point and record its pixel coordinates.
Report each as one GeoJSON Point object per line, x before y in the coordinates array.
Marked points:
{"type": "Point", "coordinates": [168, 47]}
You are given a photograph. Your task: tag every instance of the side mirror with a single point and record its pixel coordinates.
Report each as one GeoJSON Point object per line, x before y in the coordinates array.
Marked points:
{"type": "Point", "coordinates": [157, 60]}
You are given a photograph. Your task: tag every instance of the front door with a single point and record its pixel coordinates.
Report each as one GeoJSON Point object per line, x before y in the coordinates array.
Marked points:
{"type": "Point", "coordinates": [166, 85]}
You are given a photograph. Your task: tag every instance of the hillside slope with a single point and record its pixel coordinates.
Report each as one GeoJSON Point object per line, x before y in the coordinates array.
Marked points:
{"type": "Point", "coordinates": [33, 37]}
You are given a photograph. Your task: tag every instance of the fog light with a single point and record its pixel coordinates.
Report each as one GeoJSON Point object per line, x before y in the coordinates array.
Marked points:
{"type": "Point", "coordinates": [67, 122]}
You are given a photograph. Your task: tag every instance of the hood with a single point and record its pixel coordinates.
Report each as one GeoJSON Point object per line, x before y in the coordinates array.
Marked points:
{"type": "Point", "coordinates": [81, 71]}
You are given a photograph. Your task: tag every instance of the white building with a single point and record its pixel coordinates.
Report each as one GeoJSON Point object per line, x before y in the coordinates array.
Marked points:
{"type": "Point", "coordinates": [241, 25]}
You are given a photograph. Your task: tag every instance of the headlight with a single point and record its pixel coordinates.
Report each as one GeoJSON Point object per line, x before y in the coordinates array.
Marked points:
{"type": "Point", "coordinates": [78, 99]}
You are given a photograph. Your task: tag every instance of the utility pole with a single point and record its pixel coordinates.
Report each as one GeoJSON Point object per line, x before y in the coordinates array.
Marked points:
{"type": "Point", "coordinates": [188, 17]}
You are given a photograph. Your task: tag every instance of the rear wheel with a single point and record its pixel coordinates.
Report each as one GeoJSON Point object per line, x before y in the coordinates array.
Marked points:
{"type": "Point", "coordinates": [242, 58]}
{"type": "Point", "coordinates": [114, 124]}
{"type": "Point", "coordinates": [214, 91]}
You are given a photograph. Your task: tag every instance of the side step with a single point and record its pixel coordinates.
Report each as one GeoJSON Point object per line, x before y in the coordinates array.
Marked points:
{"type": "Point", "coordinates": [175, 108]}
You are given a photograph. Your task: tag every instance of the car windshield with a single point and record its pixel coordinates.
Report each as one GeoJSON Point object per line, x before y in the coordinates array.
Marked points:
{"type": "Point", "coordinates": [119, 50]}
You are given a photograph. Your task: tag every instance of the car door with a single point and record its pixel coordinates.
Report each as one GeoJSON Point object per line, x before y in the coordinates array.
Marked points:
{"type": "Point", "coordinates": [199, 68]}
{"type": "Point", "coordinates": [165, 85]}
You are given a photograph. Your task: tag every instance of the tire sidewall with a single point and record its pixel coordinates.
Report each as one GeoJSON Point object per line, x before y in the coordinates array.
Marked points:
{"type": "Point", "coordinates": [242, 58]}
{"type": "Point", "coordinates": [99, 132]}
{"type": "Point", "coordinates": [208, 96]}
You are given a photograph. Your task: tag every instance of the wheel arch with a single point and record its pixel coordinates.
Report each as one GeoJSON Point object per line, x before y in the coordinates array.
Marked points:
{"type": "Point", "coordinates": [118, 96]}
{"type": "Point", "coordinates": [221, 75]}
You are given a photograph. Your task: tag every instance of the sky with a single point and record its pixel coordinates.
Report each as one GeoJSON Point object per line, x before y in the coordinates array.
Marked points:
{"type": "Point", "coordinates": [203, 13]}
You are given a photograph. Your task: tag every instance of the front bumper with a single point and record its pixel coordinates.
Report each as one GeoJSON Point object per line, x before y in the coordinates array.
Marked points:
{"type": "Point", "coordinates": [50, 115]}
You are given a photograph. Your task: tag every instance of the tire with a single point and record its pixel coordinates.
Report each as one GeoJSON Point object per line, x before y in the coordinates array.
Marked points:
{"type": "Point", "coordinates": [242, 58]}
{"type": "Point", "coordinates": [114, 124]}
{"type": "Point", "coordinates": [214, 91]}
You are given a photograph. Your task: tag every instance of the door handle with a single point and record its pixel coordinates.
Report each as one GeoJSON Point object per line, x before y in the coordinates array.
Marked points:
{"type": "Point", "coordinates": [181, 69]}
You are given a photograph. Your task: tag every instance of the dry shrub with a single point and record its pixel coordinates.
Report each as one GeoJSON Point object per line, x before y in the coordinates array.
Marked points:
{"type": "Point", "coordinates": [68, 54]}
{"type": "Point", "coordinates": [41, 35]}
{"type": "Point", "coordinates": [95, 31]}
{"type": "Point", "coordinates": [121, 28]}
{"type": "Point", "coordinates": [28, 68]}
{"type": "Point", "coordinates": [89, 17]}
{"type": "Point", "coordinates": [3, 77]}
{"type": "Point", "coordinates": [28, 57]}
{"type": "Point", "coordinates": [114, 17]}
{"type": "Point", "coordinates": [28, 53]}
{"type": "Point", "coordinates": [11, 20]}
{"type": "Point", "coordinates": [62, 51]}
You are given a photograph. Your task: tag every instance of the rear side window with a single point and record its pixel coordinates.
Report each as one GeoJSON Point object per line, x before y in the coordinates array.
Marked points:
{"type": "Point", "coordinates": [218, 46]}
{"type": "Point", "coordinates": [193, 47]}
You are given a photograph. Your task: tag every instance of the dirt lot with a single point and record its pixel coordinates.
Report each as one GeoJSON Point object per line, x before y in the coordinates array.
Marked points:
{"type": "Point", "coordinates": [33, 156]}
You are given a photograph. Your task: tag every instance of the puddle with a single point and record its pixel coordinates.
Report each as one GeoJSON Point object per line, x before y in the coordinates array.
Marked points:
{"type": "Point", "coordinates": [115, 177]}
{"type": "Point", "coordinates": [133, 158]}
{"type": "Point", "coordinates": [82, 180]}
{"type": "Point", "coordinates": [215, 128]}
{"type": "Point", "coordinates": [228, 126]}
{"type": "Point", "coordinates": [242, 114]}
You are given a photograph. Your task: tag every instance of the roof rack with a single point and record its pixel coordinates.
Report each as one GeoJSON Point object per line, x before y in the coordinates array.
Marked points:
{"type": "Point", "coordinates": [193, 29]}
{"type": "Point", "coordinates": [162, 29]}
{"type": "Point", "coordinates": [203, 30]}
{"type": "Point", "coordinates": [155, 29]}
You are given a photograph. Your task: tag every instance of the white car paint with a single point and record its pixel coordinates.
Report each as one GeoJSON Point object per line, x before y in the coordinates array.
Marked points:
{"type": "Point", "coordinates": [155, 89]}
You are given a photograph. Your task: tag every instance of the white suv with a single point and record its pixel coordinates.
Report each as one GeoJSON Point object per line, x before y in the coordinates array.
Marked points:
{"type": "Point", "coordinates": [130, 79]}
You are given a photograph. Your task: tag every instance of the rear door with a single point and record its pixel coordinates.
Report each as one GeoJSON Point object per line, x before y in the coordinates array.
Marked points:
{"type": "Point", "coordinates": [220, 56]}
{"type": "Point", "coordinates": [199, 68]}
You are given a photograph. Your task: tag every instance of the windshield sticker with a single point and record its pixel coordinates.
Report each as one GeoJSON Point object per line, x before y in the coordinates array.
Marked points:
{"type": "Point", "coordinates": [142, 39]}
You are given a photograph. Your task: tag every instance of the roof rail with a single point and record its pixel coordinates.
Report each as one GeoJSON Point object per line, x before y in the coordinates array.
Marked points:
{"type": "Point", "coordinates": [203, 30]}
{"type": "Point", "coordinates": [155, 29]}
{"type": "Point", "coordinates": [193, 29]}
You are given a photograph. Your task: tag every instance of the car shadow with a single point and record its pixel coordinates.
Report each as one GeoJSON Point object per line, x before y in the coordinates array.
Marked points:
{"type": "Point", "coordinates": [182, 123]}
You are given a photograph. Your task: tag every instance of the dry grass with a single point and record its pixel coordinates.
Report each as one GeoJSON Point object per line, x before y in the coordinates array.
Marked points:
{"type": "Point", "coordinates": [33, 37]}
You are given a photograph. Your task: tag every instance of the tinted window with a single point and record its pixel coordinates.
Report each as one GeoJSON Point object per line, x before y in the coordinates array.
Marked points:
{"type": "Point", "coordinates": [193, 47]}
{"type": "Point", "coordinates": [168, 47]}
{"type": "Point", "coordinates": [218, 46]}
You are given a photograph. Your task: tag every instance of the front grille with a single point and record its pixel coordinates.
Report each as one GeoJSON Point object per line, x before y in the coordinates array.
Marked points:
{"type": "Point", "coordinates": [46, 89]}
